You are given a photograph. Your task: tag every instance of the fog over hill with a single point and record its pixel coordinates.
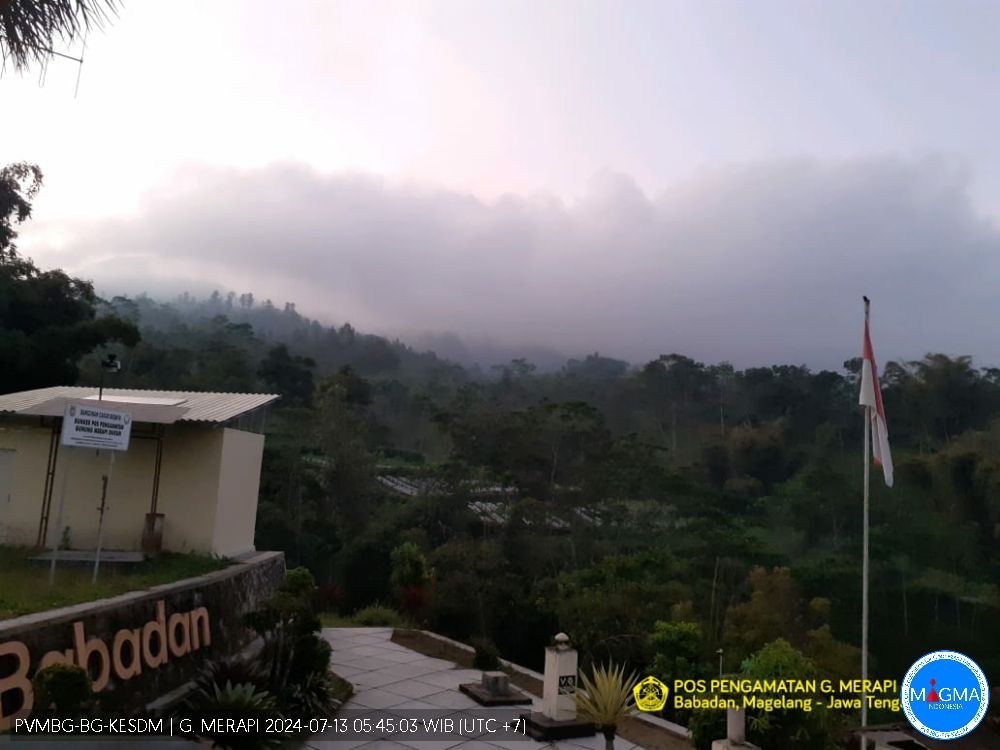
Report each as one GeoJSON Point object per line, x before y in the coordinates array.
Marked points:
{"type": "Point", "coordinates": [755, 264]}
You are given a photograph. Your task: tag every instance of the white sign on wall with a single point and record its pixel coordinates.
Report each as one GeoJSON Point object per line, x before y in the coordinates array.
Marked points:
{"type": "Point", "coordinates": [96, 427]}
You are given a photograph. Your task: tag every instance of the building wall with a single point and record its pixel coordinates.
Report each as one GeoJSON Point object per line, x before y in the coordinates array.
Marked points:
{"type": "Point", "coordinates": [209, 480]}
{"type": "Point", "coordinates": [189, 486]}
{"type": "Point", "coordinates": [19, 513]}
{"type": "Point", "coordinates": [130, 485]}
{"type": "Point", "coordinates": [239, 484]}
{"type": "Point", "coordinates": [80, 472]}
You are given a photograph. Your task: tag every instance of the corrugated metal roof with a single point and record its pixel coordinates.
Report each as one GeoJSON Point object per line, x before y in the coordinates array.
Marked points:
{"type": "Point", "coordinates": [201, 406]}
{"type": "Point", "coordinates": [140, 411]}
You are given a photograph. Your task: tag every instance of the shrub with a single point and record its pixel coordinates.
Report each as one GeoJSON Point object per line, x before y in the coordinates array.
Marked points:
{"type": "Point", "coordinates": [342, 689]}
{"type": "Point", "coordinates": [66, 687]}
{"type": "Point", "coordinates": [299, 582]}
{"type": "Point", "coordinates": [297, 674]}
{"type": "Point", "coordinates": [487, 658]}
{"type": "Point", "coordinates": [413, 600]}
{"type": "Point", "coordinates": [409, 567]}
{"type": "Point", "coordinates": [232, 670]}
{"type": "Point", "coordinates": [377, 616]}
{"type": "Point", "coordinates": [311, 657]}
{"type": "Point", "coordinates": [312, 695]}
{"type": "Point", "coordinates": [242, 701]}
{"type": "Point", "coordinates": [330, 597]}
{"type": "Point", "coordinates": [284, 622]}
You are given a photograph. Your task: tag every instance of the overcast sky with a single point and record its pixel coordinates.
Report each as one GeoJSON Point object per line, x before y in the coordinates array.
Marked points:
{"type": "Point", "coordinates": [724, 179]}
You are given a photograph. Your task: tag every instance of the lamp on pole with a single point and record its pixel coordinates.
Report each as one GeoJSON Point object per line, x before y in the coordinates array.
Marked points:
{"type": "Point", "coordinates": [111, 363]}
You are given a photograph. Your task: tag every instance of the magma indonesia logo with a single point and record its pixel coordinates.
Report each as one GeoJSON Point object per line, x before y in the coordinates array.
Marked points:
{"type": "Point", "coordinates": [650, 694]}
{"type": "Point", "coordinates": [945, 695]}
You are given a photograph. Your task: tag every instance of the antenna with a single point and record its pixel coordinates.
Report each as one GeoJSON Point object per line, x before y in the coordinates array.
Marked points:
{"type": "Point", "coordinates": [79, 70]}
{"type": "Point", "coordinates": [43, 73]}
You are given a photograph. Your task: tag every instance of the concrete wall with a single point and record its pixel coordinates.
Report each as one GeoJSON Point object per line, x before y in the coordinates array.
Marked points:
{"type": "Point", "coordinates": [100, 633]}
{"type": "Point", "coordinates": [209, 481]}
{"type": "Point", "coordinates": [235, 518]}
{"type": "Point", "coordinates": [19, 517]}
{"type": "Point", "coordinates": [189, 486]}
{"type": "Point", "coordinates": [130, 485]}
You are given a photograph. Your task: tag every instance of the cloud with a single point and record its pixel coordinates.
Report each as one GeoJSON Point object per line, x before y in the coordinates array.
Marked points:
{"type": "Point", "coordinates": [756, 264]}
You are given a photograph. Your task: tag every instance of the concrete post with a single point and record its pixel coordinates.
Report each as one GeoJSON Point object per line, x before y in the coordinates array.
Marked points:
{"type": "Point", "coordinates": [736, 735]}
{"type": "Point", "coordinates": [559, 685]}
{"type": "Point", "coordinates": [736, 728]}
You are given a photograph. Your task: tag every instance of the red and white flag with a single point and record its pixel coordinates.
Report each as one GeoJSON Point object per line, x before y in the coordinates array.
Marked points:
{"type": "Point", "coordinates": [871, 396]}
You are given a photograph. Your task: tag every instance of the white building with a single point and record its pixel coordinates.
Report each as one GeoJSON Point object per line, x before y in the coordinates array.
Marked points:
{"type": "Point", "coordinates": [187, 483]}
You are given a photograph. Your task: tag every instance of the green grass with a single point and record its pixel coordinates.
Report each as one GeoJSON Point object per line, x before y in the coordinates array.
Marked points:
{"type": "Point", "coordinates": [24, 585]}
{"type": "Point", "coordinates": [373, 616]}
{"type": "Point", "coordinates": [331, 620]}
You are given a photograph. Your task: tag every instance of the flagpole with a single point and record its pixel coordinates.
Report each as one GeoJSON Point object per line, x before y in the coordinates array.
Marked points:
{"type": "Point", "coordinates": [864, 575]}
{"type": "Point", "coordinates": [864, 563]}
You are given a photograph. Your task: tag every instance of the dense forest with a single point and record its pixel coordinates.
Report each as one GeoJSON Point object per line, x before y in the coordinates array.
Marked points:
{"type": "Point", "coordinates": [655, 512]}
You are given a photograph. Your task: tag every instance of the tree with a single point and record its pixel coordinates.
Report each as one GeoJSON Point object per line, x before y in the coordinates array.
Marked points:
{"type": "Point", "coordinates": [290, 376]}
{"type": "Point", "coordinates": [19, 184]}
{"type": "Point", "coordinates": [411, 578]}
{"type": "Point", "coordinates": [761, 453]}
{"type": "Point", "coordinates": [677, 381]}
{"type": "Point", "coordinates": [816, 729]}
{"type": "Point", "coordinates": [30, 28]}
{"type": "Point", "coordinates": [723, 374]}
{"type": "Point", "coordinates": [596, 367]}
{"type": "Point", "coordinates": [344, 436]}
{"type": "Point", "coordinates": [676, 649]}
{"type": "Point", "coordinates": [48, 320]}
{"type": "Point", "coordinates": [810, 730]}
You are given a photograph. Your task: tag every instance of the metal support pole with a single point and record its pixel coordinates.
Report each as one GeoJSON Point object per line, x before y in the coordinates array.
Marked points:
{"type": "Point", "coordinates": [864, 578]}
{"type": "Point", "coordinates": [67, 452]}
{"type": "Point", "coordinates": [50, 478]}
{"type": "Point", "coordinates": [100, 522]}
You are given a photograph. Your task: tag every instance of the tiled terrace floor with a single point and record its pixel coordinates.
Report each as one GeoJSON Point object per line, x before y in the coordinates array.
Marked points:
{"type": "Point", "coordinates": [391, 681]}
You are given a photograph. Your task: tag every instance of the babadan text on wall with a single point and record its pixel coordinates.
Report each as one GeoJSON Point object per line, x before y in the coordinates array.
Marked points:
{"type": "Point", "coordinates": [131, 650]}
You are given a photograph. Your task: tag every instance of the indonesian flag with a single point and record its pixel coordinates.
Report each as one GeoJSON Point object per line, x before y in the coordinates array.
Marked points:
{"type": "Point", "coordinates": [871, 396]}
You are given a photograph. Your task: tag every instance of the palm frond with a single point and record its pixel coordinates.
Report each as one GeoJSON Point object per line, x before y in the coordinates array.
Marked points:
{"type": "Point", "coordinates": [30, 28]}
{"type": "Point", "coordinates": [606, 697]}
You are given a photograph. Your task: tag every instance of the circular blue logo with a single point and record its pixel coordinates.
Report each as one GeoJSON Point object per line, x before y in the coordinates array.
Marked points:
{"type": "Point", "coordinates": [945, 695]}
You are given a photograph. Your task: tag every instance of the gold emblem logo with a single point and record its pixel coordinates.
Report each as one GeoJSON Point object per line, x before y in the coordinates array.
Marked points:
{"type": "Point", "coordinates": [650, 694]}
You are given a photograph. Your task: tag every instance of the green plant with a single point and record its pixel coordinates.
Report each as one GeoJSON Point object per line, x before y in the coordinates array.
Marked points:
{"type": "Point", "coordinates": [64, 687]}
{"type": "Point", "coordinates": [241, 701]}
{"type": "Point", "coordinates": [285, 622]}
{"type": "Point", "coordinates": [377, 616]}
{"type": "Point", "coordinates": [299, 582]}
{"type": "Point", "coordinates": [64, 542]}
{"type": "Point", "coordinates": [313, 695]}
{"type": "Point", "coordinates": [342, 690]}
{"type": "Point", "coordinates": [297, 658]}
{"type": "Point", "coordinates": [311, 657]}
{"type": "Point", "coordinates": [606, 699]}
{"type": "Point", "coordinates": [676, 649]}
{"type": "Point", "coordinates": [409, 567]}
{"type": "Point", "coordinates": [412, 579]}
{"type": "Point", "coordinates": [487, 657]}
{"type": "Point", "coordinates": [809, 730]}
{"type": "Point", "coordinates": [234, 671]}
